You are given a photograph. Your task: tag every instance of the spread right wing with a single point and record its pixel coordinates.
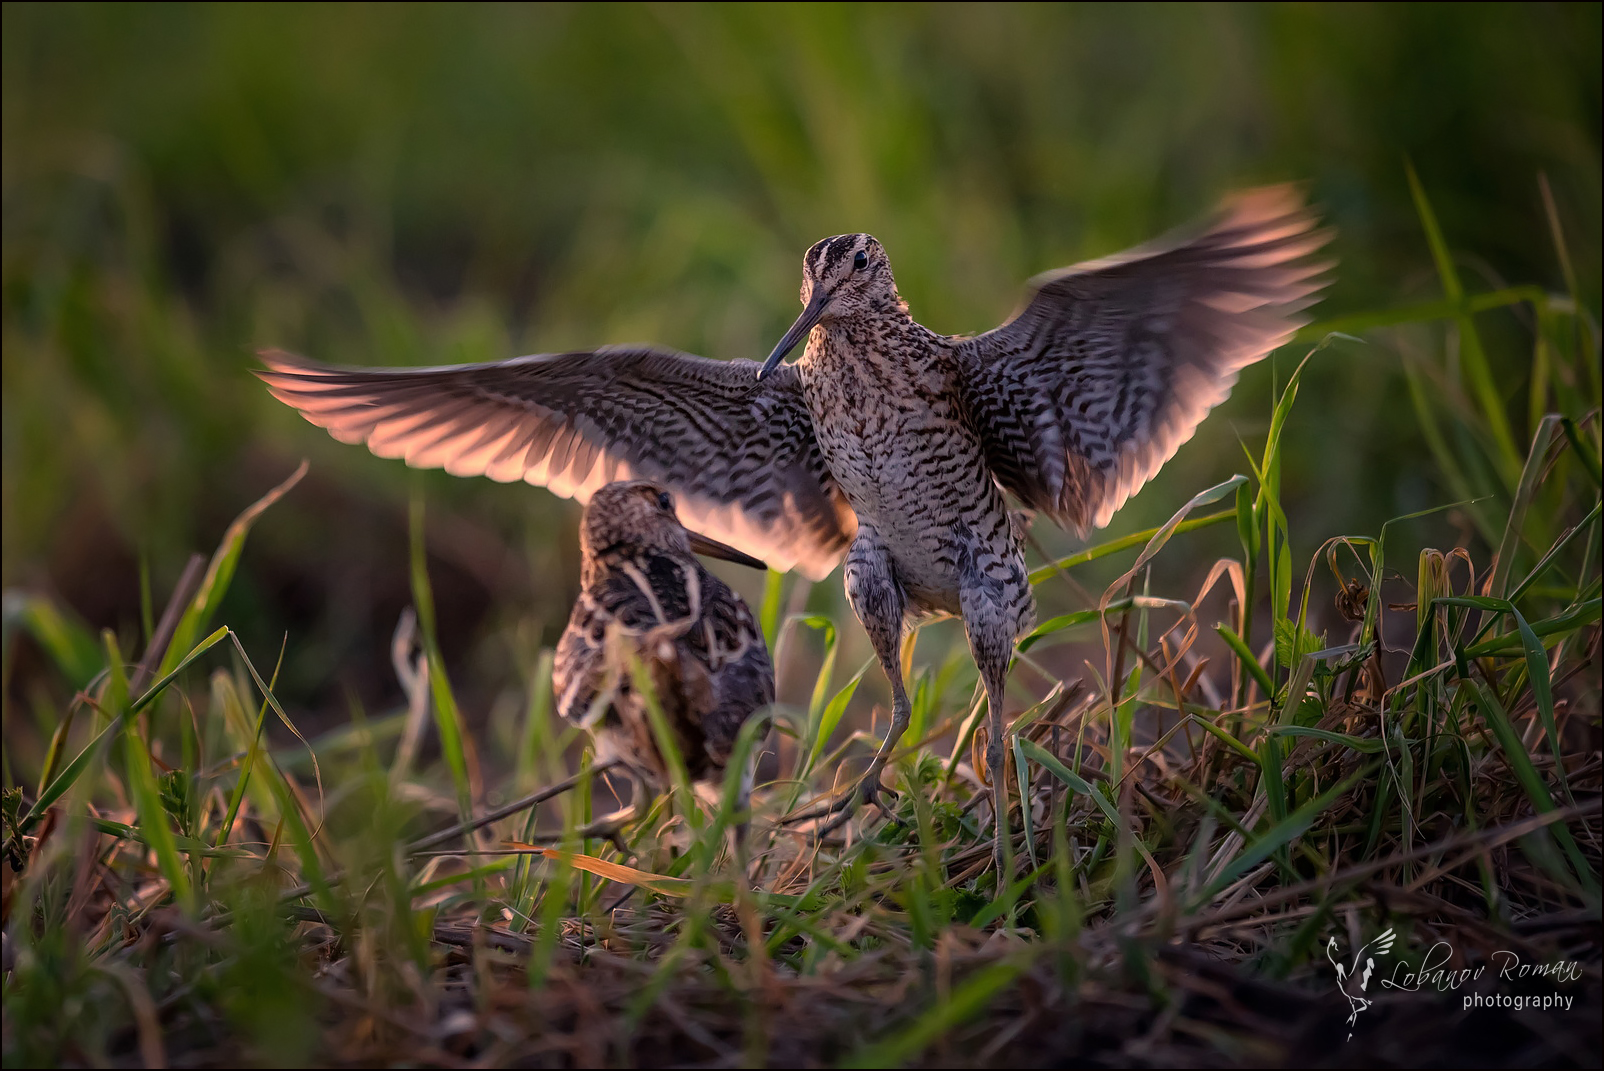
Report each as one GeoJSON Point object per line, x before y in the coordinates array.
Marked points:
{"type": "Point", "coordinates": [739, 454]}
{"type": "Point", "coordinates": [1111, 365]}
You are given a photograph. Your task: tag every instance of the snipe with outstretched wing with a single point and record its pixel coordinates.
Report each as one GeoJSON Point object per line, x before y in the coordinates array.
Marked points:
{"type": "Point", "coordinates": [886, 443]}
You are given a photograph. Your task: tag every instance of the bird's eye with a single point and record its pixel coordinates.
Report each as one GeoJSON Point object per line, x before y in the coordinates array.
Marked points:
{"type": "Point", "coordinates": [665, 502]}
{"type": "Point", "coordinates": [860, 261]}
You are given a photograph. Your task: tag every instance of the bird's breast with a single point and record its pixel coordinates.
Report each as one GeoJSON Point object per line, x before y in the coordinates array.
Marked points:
{"type": "Point", "coordinates": [892, 430]}
{"type": "Point", "coordinates": [888, 424]}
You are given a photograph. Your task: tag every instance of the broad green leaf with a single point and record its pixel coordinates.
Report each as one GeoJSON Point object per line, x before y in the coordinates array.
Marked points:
{"type": "Point", "coordinates": [1292, 642]}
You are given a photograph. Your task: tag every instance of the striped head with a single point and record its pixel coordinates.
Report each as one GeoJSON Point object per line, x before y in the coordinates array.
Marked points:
{"type": "Point", "coordinates": [632, 518]}
{"type": "Point", "coordinates": [848, 275]}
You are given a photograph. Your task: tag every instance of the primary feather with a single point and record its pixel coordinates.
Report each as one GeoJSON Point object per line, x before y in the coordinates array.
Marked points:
{"type": "Point", "coordinates": [740, 455]}
{"type": "Point", "coordinates": [1112, 364]}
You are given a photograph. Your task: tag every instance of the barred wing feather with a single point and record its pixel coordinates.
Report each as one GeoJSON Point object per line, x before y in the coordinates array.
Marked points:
{"type": "Point", "coordinates": [1112, 364]}
{"type": "Point", "coordinates": [739, 454]}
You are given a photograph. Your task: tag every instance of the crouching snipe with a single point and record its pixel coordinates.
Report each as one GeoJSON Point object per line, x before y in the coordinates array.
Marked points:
{"type": "Point", "coordinates": [648, 607]}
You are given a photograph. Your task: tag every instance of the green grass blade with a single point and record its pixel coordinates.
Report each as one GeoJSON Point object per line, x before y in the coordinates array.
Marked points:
{"type": "Point", "coordinates": [773, 592]}
{"type": "Point", "coordinates": [1542, 686]}
{"type": "Point", "coordinates": [737, 777]}
{"type": "Point", "coordinates": [183, 663]}
{"type": "Point", "coordinates": [666, 739]}
{"type": "Point", "coordinates": [1022, 774]}
{"type": "Point", "coordinates": [830, 717]}
{"type": "Point", "coordinates": [1362, 744]}
{"type": "Point", "coordinates": [1423, 312]}
{"type": "Point", "coordinates": [1589, 456]}
{"type": "Point", "coordinates": [153, 819]}
{"type": "Point", "coordinates": [117, 698]}
{"type": "Point", "coordinates": [1114, 546]}
{"type": "Point", "coordinates": [1561, 625]}
{"type": "Point", "coordinates": [1280, 835]}
{"type": "Point", "coordinates": [1472, 356]}
{"type": "Point", "coordinates": [968, 999]}
{"type": "Point", "coordinates": [1165, 531]}
{"type": "Point", "coordinates": [447, 717]}
{"type": "Point", "coordinates": [1560, 544]}
{"type": "Point", "coordinates": [1525, 491]}
{"type": "Point", "coordinates": [1050, 762]}
{"type": "Point", "coordinates": [237, 797]}
{"type": "Point", "coordinates": [67, 777]}
{"type": "Point", "coordinates": [1087, 617]}
{"type": "Point", "coordinates": [300, 834]}
{"type": "Point", "coordinates": [220, 573]}
{"type": "Point", "coordinates": [1459, 483]}
{"type": "Point", "coordinates": [65, 640]}
{"type": "Point", "coordinates": [1520, 762]}
{"type": "Point", "coordinates": [1230, 741]}
{"type": "Point", "coordinates": [278, 709]}
{"type": "Point", "coordinates": [1249, 662]}
{"type": "Point", "coordinates": [821, 682]}
{"type": "Point", "coordinates": [1272, 778]}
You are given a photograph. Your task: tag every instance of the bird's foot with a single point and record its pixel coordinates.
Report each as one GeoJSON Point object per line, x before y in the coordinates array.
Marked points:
{"type": "Point", "coordinates": [869, 790]}
{"type": "Point", "coordinates": [844, 806]}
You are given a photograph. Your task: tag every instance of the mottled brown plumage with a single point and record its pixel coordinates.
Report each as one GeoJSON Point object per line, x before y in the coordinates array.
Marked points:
{"type": "Point", "coordinates": [886, 443]}
{"type": "Point", "coordinates": [644, 597]}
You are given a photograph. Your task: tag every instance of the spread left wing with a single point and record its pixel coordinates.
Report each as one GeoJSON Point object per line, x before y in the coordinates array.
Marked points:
{"type": "Point", "coordinates": [739, 454]}
{"type": "Point", "coordinates": [1112, 364]}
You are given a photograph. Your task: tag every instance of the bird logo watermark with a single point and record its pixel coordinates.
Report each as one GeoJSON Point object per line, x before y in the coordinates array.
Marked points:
{"type": "Point", "coordinates": [1435, 971]}
{"type": "Point", "coordinates": [1353, 981]}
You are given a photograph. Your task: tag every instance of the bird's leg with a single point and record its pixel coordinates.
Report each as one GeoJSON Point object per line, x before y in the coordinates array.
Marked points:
{"type": "Point", "coordinates": [991, 642]}
{"type": "Point", "coordinates": [878, 601]}
{"type": "Point", "coordinates": [997, 764]}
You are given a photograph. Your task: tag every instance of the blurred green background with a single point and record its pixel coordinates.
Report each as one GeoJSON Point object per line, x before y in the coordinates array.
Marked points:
{"type": "Point", "coordinates": [432, 184]}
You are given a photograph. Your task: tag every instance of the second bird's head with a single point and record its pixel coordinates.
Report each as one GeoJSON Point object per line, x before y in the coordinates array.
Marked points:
{"type": "Point", "coordinates": [633, 517]}
{"type": "Point", "coordinates": [844, 276]}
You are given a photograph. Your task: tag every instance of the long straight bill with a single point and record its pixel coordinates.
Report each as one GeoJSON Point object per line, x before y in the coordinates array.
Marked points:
{"type": "Point", "coordinates": [712, 548]}
{"type": "Point", "coordinates": [799, 331]}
